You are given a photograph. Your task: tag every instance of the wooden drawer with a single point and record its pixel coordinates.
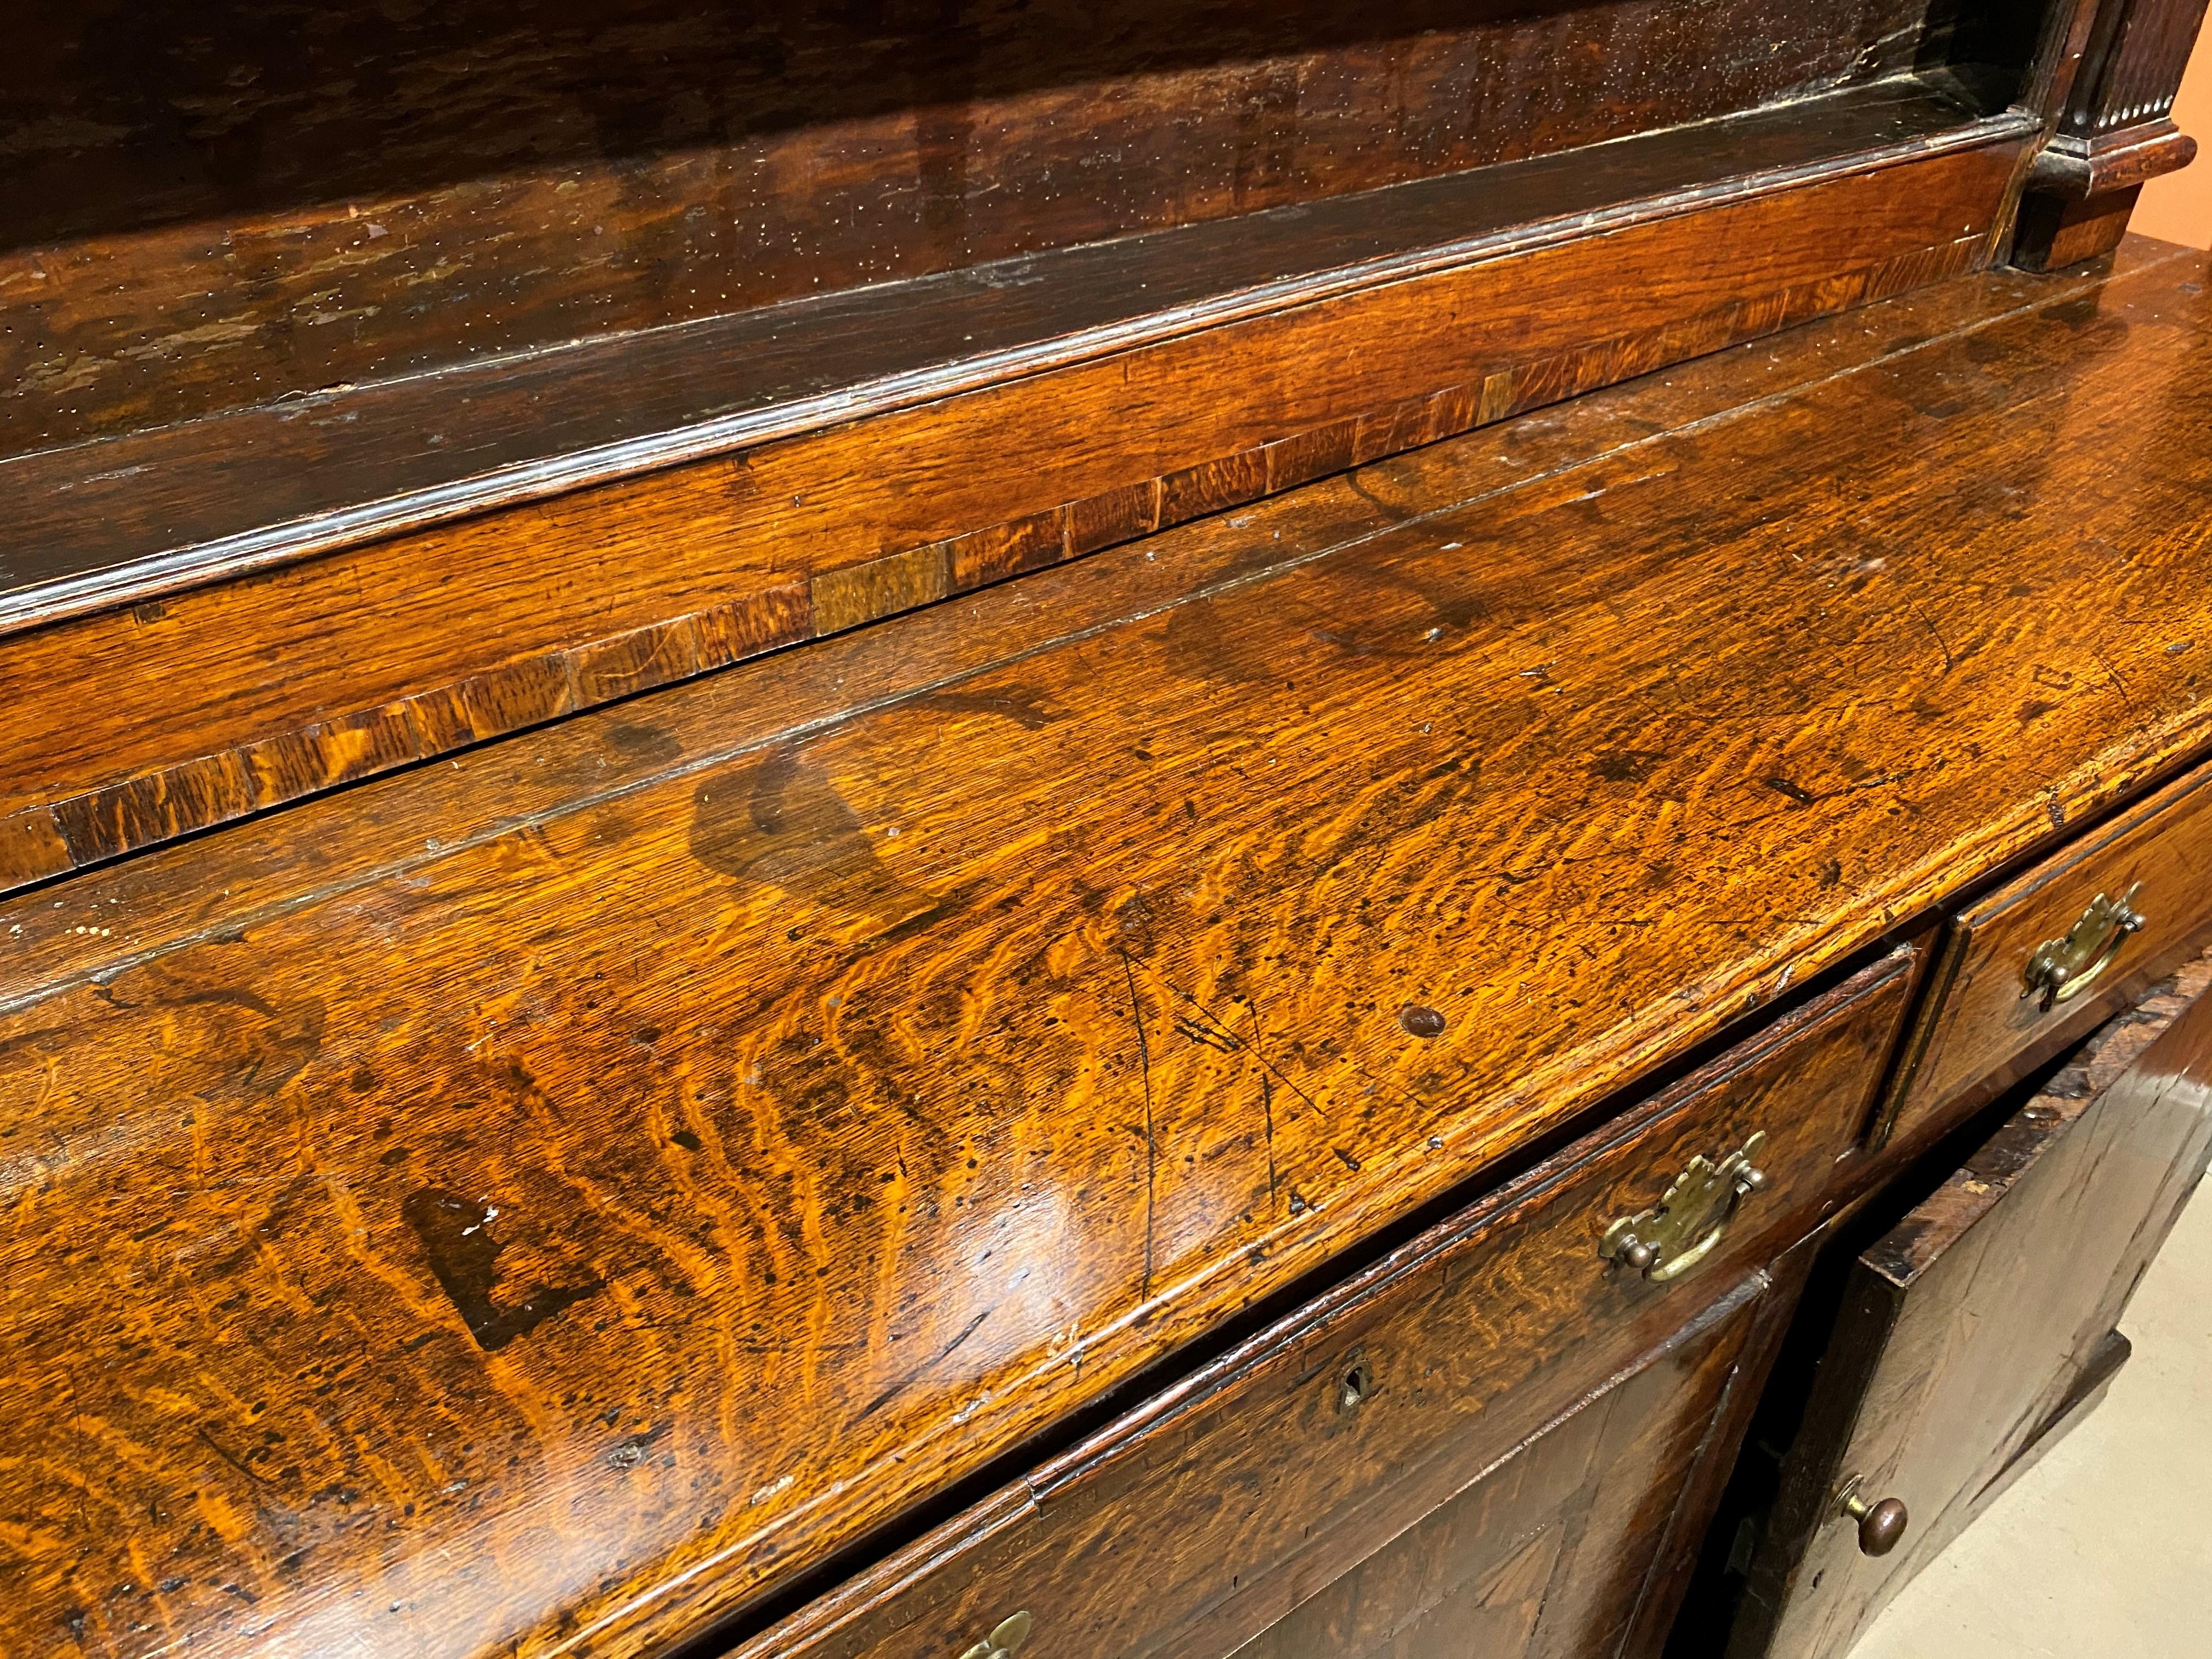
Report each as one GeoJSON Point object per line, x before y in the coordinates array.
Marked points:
{"type": "Point", "coordinates": [1201, 1519]}
{"type": "Point", "coordinates": [1982, 1026]}
{"type": "Point", "coordinates": [1596, 1489]}
{"type": "Point", "coordinates": [1966, 1337]}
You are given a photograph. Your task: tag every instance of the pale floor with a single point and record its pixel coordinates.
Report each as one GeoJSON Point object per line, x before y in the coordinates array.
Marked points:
{"type": "Point", "coordinates": [2105, 1546]}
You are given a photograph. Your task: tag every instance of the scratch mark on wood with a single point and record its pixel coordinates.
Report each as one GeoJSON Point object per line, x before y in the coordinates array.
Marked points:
{"type": "Point", "coordinates": [1214, 1020]}
{"type": "Point", "coordinates": [1266, 1103]}
{"type": "Point", "coordinates": [1151, 1146]}
{"type": "Point", "coordinates": [1927, 621]}
{"type": "Point", "coordinates": [2119, 685]}
{"type": "Point", "coordinates": [211, 1443]}
{"type": "Point", "coordinates": [1197, 1033]}
{"type": "Point", "coordinates": [915, 1375]}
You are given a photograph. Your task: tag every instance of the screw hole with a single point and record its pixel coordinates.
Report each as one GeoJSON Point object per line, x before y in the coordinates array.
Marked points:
{"type": "Point", "coordinates": [1420, 1022]}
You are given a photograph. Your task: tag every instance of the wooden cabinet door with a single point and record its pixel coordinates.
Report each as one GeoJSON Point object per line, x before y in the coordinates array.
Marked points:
{"type": "Point", "coordinates": [1552, 1550]}
{"type": "Point", "coordinates": [1974, 1331]}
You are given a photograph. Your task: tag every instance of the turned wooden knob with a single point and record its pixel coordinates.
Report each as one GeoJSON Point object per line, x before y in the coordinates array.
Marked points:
{"type": "Point", "coordinates": [1881, 1525]}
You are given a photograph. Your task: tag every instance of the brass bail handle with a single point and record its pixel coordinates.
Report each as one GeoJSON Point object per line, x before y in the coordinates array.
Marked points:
{"type": "Point", "coordinates": [1003, 1642]}
{"type": "Point", "coordinates": [1691, 1218]}
{"type": "Point", "coordinates": [2062, 968]}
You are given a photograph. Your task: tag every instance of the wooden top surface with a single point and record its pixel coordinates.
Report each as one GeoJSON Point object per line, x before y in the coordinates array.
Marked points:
{"type": "Point", "coordinates": [534, 1203]}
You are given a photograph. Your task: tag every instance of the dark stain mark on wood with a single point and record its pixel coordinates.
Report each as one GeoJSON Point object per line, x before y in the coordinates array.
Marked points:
{"type": "Point", "coordinates": [645, 743]}
{"type": "Point", "coordinates": [785, 825]}
{"type": "Point", "coordinates": [1199, 649]}
{"type": "Point", "coordinates": [456, 1235]}
{"type": "Point", "coordinates": [1627, 765]}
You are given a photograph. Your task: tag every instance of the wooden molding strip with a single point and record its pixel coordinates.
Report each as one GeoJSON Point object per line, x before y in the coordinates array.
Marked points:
{"type": "Point", "coordinates": [2082, 167]}
{"type": "Point", "coordinates": [297, 680]}
{"type": "Point", "coordinates": [125, 519]}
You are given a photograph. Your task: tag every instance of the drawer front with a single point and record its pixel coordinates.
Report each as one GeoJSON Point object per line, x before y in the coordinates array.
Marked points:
{"type": "Point", "coordinates": [1546, 1555]}
{"type": "Point", "coordinates": [1201, 1518]}
{"type": "Point", "coordinates": [1984, 1025]}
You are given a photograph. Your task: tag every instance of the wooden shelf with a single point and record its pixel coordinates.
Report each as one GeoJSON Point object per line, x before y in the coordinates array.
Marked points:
{"type": "Point", "coordinates": [120, 519]}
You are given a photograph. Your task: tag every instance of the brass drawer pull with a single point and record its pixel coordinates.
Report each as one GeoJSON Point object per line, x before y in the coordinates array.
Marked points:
{"type": "Point", "coordinates": [1002, 1643]}
{"type": "Point", "coordinates": [1881, 1526]}
{"type": "Point", "coordinates": [2062, 968]}
{"type": "Point", "coordinates": [1691, 1216]}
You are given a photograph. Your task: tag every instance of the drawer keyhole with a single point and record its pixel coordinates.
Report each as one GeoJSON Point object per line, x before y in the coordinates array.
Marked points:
{"type": "Point", "coordinates": [1354, 1386]}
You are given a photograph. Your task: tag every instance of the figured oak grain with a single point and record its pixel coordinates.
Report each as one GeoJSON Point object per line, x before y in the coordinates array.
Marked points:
{"type": "Point", "coordinates": [1466, 1342]}
{"type": "Point", "coordinates": [477, 792]}
{"type": "Point", "coordinates": [861, 1157]}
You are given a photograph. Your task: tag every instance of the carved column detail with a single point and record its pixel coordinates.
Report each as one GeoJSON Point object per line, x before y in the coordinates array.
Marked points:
{"type": "Point", "coordinates": [2117, 132]}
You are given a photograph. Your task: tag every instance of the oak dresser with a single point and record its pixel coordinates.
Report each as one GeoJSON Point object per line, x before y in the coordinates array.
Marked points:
{"type": "Point", "coordinates": [927, 831]}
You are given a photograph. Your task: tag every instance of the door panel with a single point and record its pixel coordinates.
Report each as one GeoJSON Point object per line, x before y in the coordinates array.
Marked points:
{"type": "Point", "coordinates": [1983, 1324]}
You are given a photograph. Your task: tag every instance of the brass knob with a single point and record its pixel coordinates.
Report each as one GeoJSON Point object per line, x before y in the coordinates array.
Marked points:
{"type": "Point", "coordinates": [1003, 1641]}
{"type": "Point", "coordinates": [2062, 968]}
{"type": "Point", "coordinates": [1692, 1216]}
{"type": "Point", "coordinates": [1881, 1525]}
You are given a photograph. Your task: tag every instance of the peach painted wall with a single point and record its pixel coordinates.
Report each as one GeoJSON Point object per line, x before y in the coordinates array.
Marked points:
{"type": "Point", "coordinates": [2178, 207]}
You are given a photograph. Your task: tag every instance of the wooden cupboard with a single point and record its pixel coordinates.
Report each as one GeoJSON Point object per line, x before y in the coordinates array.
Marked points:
{"type": "Point", "coordinates": [1103, 831]}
